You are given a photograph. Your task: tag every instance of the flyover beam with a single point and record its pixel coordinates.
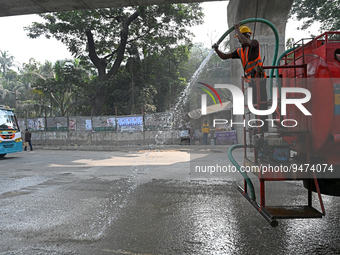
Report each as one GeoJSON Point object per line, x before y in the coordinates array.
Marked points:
{"type": "Point", "coordinates": [21, 7]}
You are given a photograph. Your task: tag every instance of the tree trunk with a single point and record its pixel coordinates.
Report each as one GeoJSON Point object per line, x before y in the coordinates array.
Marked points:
{"type": "Point", "coordinates": [101, 63]}
{"type": "Point", "coordinates": [99, 101]}
{"type": "Point", "coordinates": [133, 95]}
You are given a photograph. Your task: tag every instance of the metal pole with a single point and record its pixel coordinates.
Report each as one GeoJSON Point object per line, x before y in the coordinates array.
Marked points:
{"type": "Point", "coordinates": [116, 125]}
{"type": "Point", "coordinates": [142, 111]}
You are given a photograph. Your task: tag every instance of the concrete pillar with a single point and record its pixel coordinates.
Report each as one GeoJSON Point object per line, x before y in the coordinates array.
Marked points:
{"type": "Point", "coordinates": [276, 11]}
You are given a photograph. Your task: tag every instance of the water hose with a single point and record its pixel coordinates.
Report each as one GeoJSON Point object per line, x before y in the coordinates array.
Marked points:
{"type": "Point", "coordinates": [277, 70]}
{"type": "Point", "coordinates": [243, 173]}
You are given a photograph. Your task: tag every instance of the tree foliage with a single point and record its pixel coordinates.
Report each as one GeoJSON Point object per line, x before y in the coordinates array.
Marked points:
{"type": "Point", "coordinates": [62, 86]}
{"type": "Point", "coordinates": [153, 82]}
{"type": "Point", "coordinates": [327, 12]}
{"type": "Point", "coordinates": [107, 36]}
{"type": "Point", "coordinates": [52, 89]}
{"type": "Point", "coordinates": [6, 62]}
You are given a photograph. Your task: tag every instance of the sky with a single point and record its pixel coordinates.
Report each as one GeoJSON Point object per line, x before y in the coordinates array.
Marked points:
{"type": "Point", "coordinates": [15, 41]}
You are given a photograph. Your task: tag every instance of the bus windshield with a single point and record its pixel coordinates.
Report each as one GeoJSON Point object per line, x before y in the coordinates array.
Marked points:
{"type": "Point", "coordinates": [8, 120]}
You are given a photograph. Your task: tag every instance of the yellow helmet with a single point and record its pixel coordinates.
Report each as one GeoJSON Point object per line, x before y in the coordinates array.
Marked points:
{"type": "Point", "coordinates": [244, 29]}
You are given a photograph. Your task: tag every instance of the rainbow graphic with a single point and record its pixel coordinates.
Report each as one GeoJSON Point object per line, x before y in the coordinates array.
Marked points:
{"type": "Point", "coordinates": [209, 93]}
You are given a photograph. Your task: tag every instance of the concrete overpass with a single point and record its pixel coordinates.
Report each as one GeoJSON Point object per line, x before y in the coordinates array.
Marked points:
{"type": "Point", "coordinates": [20, 7]}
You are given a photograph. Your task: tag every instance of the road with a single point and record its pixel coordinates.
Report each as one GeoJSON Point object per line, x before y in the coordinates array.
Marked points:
{"type": "Point", "coordinates": [147, 202]}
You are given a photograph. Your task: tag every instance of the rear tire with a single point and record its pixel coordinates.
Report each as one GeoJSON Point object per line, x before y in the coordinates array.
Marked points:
{"type": "Point", "coordinates": [2, 155]}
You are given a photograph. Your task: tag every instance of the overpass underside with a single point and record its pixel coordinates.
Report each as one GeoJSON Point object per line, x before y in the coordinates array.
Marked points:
{"type": "Point", "coordinates": [21, 7]}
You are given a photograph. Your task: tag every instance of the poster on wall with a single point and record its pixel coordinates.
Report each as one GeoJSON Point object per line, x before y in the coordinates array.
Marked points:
{"type": "Point", "coordinates": [111, 122]}
{"type": "Point", "coordinates": [226, 138]}
{"type": "Point", "coordinates": [36, 124]}
{"type": "Point", "coordinates": [104, 123]}
{"type": "Point", "coordinates": [130, 124]}
{"type": "Point", "coordinates": [56, 124]}
{"type": "Point", "coordinates": [22, 124]}
{"type": "Point", "coordinates": [40, 124]}
{"type": "Point", "coordinates": [157, 121]}
{"type": "Point", "coordinates": [72, 124]}
{"type": "Point", "coordinates": [88, 124]}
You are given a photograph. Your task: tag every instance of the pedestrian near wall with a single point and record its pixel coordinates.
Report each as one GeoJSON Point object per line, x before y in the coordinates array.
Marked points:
{"type": "Point", "coordinates": [191, 135]}
{"type": "Point", "coordinates": [28, 136]}
{"type": "Point", "coordinates": [205, 131]}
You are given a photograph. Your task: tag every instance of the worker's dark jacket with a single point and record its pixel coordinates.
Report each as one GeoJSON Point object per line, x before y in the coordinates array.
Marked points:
{"type": "Point", "coordinates": [27, 136]}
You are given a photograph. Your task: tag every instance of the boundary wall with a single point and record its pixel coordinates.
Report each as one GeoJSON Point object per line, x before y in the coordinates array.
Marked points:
{"type": "Point", "coordinates": [147, 129]}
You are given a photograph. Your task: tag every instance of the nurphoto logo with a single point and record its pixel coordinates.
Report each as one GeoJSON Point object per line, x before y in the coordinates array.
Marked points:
{"type": "Point", "coordinates": [238, 103]}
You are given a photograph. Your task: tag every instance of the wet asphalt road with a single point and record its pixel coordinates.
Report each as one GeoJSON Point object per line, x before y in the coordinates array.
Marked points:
{"type": "Point", "coordinates": [147, 202]}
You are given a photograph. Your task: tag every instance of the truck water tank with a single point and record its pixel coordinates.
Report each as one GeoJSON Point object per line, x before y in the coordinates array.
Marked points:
{"type": "Point", "coordinates": [321, 56]}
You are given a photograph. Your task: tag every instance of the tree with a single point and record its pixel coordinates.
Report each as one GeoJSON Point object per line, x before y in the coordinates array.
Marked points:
{"type": "Point", "coordinates": [153, 82]}
{"type": "Point", "coordinates": [327, 12]}
{"type": "Point", "coordinates": [35, 101]}
{"type": "Point", "coordinates": [6, 61]}
{"type": "Point", "coordinates": [290, 43]}
{"type": "Point", "coordinates": [166, 75]}
{"type": "Point", "coordinates": [62, 86]}
{"type": "Point", "coordinates": [103, 35]}
{"type": "Point", "coordinates": [3, 93]}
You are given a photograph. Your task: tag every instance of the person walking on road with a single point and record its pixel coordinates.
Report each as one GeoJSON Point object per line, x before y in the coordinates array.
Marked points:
{"type": "Point", "coordinates": [28, 136]}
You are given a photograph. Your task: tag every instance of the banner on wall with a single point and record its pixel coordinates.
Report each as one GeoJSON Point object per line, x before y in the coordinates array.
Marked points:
{"type": "Point", "coordinates": [226, 138]}
{"type": "Point", "coordinates": [36, 124]}
{"type": "Point", "coordinates": [157, 121]}
{"type": "Point", "coordinates": [111, 122]}
{"type": "Point", "coordinates": [104, 123]}
{"type": "Point", "coordinates": [56, 124]}
{"type": "Point", "coordinates": [22, 124]}
{"type": "Point", "coordinates": [130, 124]}
{"type": "Point", "coordinates": [88, 123]}
{"type": "Point", "coordinates": [72, 124]}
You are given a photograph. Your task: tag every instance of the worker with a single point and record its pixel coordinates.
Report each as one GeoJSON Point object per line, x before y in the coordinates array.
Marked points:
{"type": "Point", "coordinates": [250, 56]}
{"type": "Point", "coordinates": [205, 131]}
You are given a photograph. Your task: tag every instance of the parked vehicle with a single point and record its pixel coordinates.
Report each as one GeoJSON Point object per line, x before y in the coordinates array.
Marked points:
{"type": "Point", "coordinates": [10, 136]}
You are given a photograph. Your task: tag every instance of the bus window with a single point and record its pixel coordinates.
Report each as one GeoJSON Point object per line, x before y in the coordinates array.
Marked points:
{"type": "Point", "coordinates": [7, 120]}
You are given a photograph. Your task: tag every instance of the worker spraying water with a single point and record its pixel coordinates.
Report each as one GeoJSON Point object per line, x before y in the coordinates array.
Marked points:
{"type": "Point", "coordinates": [252, 63]}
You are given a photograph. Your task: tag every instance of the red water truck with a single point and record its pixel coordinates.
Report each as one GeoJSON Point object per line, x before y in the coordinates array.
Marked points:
{"type": "Point", "coordinates": [318, 142]}
{"type": "Point", "coordinates": [307, 149]}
